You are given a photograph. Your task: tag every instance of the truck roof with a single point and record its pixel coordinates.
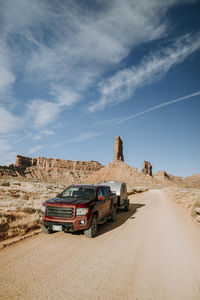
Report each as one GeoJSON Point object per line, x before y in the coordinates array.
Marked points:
{"type": "Point", "coordinates": [86, 185]}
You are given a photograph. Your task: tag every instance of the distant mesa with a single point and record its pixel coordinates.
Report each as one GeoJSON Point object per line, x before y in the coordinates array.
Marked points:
{"type": "Point", "coordinates": [56, 169]}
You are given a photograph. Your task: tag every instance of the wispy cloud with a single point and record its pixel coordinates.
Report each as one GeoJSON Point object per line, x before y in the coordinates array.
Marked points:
{"type": "Point", "coordinates": [9, 123]}
{"type": "Point", "coordinates": [7, 77]}
{"type": "Point", "coordinates": [74, 44]}
{"type": "Point", "coordinates": [82, 137]}
{"type": "Point", "coordinates": [123, 85]}
{"type": "Point", "coordinates": [64, 96]}
{"type": "Point", "coordinates": [6, 153]}
{"type": "Point", "coordinates": [146, 111]}
{"type": "Point", "coordinates": [37, 137]}
{"type": "Point", "coordinates": [85, 136]}
{"type": "Point", "coordinates": [41, 133]}
{"type": "Point", "coordinates": [47, 132]}
{"type": "Point", "coordinates": [92, 39]}
{"type": "Point", "coordinates": [35, 149]}
{"type": "Point", "coordinates": [69, 48]}
{"type": "Point", "coordinates": [43, 112]}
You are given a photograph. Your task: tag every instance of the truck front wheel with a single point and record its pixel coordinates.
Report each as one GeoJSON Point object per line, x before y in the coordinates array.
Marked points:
{"type": "Point", "coordinates": [46, 230]}
{"type": "Point", "coordinates": [126, 207]}
{"type": "Point", "coordinates": [92, 231]}
{"type": "Point", "coordinates": [113, 214]}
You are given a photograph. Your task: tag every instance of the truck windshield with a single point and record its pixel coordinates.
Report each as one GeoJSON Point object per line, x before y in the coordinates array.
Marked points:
{"type": "Point", "coordinates": [79, 192]}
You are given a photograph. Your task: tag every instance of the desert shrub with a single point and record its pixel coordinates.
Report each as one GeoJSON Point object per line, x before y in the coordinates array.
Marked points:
{"type": "Point", "coordinates": [26, 196]}
{"type": "Point", "coordinates": [12, 225]}
{"type": "Point", "coordinates": [30, 209]}
{"type": "Point", "coordinates": [16, 183]}
{"type": "Point", "coordinates": [195, 205]}
{"type": "Point", "coordinates": [5, 183]}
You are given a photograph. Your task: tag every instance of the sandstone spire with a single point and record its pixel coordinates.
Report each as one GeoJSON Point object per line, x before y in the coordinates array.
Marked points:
{"type": "Point", "coordinates": [147, 168]}
{"type": "Point", "coordinates": [118, 151]}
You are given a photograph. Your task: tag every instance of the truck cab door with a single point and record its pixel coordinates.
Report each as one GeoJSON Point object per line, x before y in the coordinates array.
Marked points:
{"type": "Point", "coordinates": [101, 203]}
{"type": "Point", "coordinates": [108, 200]}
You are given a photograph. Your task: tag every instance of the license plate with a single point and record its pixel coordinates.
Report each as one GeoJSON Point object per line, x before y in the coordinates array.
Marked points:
{"type": "Point", "coordinates": [57, 227]}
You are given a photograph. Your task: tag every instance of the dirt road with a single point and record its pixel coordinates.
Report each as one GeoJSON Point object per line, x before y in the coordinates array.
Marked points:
{"type": "Point", "coordinates": [150, 252]}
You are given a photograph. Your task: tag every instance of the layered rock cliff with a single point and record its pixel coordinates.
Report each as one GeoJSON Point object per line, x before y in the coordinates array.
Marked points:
{"type": "Point", "coordinates": [51, 169]}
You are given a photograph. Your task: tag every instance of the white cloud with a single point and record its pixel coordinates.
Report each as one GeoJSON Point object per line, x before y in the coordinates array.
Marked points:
{"type": "Point", "coordinates": [47, 132]}
{"type": "Point", "coordinates": [37, 137]}
{"type": "Point", "coordinates": [93, 39]}
{"type": "Point", "coordinates": [64, 97]}
{"type": "Point", "coordinates": [7, 156]}
{"type": "Point", "coordinates": [43, 112]}
{"type": "Point", "coordinates": [8, 122]}
{"type": "Point", "coordinates": [122, 86]}
{"type": "Point", "coordinates": [35, 149]}
{"type": "Point", "coordinates": [74, 43]}
{"type": "Point", "coordinates": [84, 136]}
{"type": "Point", "coordinates": [67, 46]}
{"type": "Point", "coordinates": [7, 77]}
{"type": "Point", "coordinates": [43, 132]}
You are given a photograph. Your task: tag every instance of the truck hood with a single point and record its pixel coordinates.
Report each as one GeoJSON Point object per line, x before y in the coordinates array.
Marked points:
{"type": "Point", "coordinates": [69, 201]}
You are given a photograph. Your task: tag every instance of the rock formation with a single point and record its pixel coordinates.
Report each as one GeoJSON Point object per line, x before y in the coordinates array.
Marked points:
{"type": "Point", "coordinates": [147, 168]}
{"type": "Point", "coordinates": [161, 175]}
{"type": "Point", "coordinates": [119, 171]}
{"type": "Point", "coordinates": [24, 162]}
{"type": "Point", "coordinates": [118, 151]}
{"type": "Point", "coordinates": [51, 169]}
{"type": "Point", "coordinates": [10, 171]}
{"type": "Point", "coordinates": [67, 171]}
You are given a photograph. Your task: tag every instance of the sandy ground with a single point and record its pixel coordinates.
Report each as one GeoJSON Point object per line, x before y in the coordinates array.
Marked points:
{"type": "Point", "coordinates": [150, 252]}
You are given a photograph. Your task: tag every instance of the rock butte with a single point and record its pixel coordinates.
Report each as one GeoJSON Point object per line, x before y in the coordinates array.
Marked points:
{"type": "Point", "coordinates": [147, 168]}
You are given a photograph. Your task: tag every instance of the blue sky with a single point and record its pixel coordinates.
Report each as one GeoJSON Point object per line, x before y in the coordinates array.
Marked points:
{"type": "Point", "coordinates": [74, 74]}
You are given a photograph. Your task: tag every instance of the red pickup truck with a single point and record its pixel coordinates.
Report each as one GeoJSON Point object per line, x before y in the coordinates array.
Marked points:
{"type": "Point", "coordinates": [79, 207]}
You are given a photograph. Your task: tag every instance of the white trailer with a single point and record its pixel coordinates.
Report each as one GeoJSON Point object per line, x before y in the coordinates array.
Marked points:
{"type": "Point", "coordinates": [121, 191]}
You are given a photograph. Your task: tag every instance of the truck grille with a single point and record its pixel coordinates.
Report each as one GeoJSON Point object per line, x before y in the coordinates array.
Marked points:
{"type": "Point", "coordinates": [60, 212]}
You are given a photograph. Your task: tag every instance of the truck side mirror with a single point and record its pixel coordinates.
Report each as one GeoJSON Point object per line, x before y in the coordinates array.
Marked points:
{"type": "Point", "coordinates": [57, 195]}
{"type": "Point", "coordinates": [101, 198]}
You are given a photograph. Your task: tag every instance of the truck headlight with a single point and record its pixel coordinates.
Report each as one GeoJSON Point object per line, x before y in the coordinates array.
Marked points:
{"type": "Point", "coordinates": [82, 211]}
{"type": "Point", "coordinates": [43, 209]}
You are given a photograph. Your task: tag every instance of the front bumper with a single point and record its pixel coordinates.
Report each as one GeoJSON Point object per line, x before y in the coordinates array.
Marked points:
{"type": "Point", "coordinates": [71, 225]}
{"type": "Point", "coordinates": [65, 226]}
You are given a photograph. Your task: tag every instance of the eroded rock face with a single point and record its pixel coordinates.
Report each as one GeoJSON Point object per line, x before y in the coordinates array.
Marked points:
{"type": "Point", "coordinates": [55, 169]}
{"type": "Point", "coordinates": [121, 172]}
{"type": "Point", "coordinates": [147, 168]}
{"type": "Point", "coordinates": [10, 171]}
{"type": "Point", "coordinates": [24, 162]}
{"type": "Point", "coordinates": [161, 175]}
{"type": "Point", "coordinates": [118, 150]}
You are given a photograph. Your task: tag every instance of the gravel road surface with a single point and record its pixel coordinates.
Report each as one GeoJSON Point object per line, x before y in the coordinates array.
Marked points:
{"type": "Point", "coordinates": [150, 252]}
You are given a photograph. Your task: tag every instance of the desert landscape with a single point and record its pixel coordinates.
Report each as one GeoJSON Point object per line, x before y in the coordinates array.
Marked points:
{"type": "Point", "coordinates": [25, 185]}
{"type": "Point", "coordinates": [155, 244]}
{"type": "Point", "coordinates": [99, 150]}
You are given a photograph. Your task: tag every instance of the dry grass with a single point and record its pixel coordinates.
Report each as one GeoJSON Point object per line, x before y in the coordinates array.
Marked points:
{"type": "Point", "coordinates": [188, 198]}
{"type": "Point", "coordinates": [20, 203]}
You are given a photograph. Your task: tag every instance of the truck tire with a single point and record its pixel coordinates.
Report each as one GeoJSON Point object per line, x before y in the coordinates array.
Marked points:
{"type": "Point", "coordinates": [92, 231]}
{"type": "Point", "coordinates": [126, 207]}
{"type": "Point", "coordinates": [46, 230]}
{"type": "Point", "coordinates": [113, 214]}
